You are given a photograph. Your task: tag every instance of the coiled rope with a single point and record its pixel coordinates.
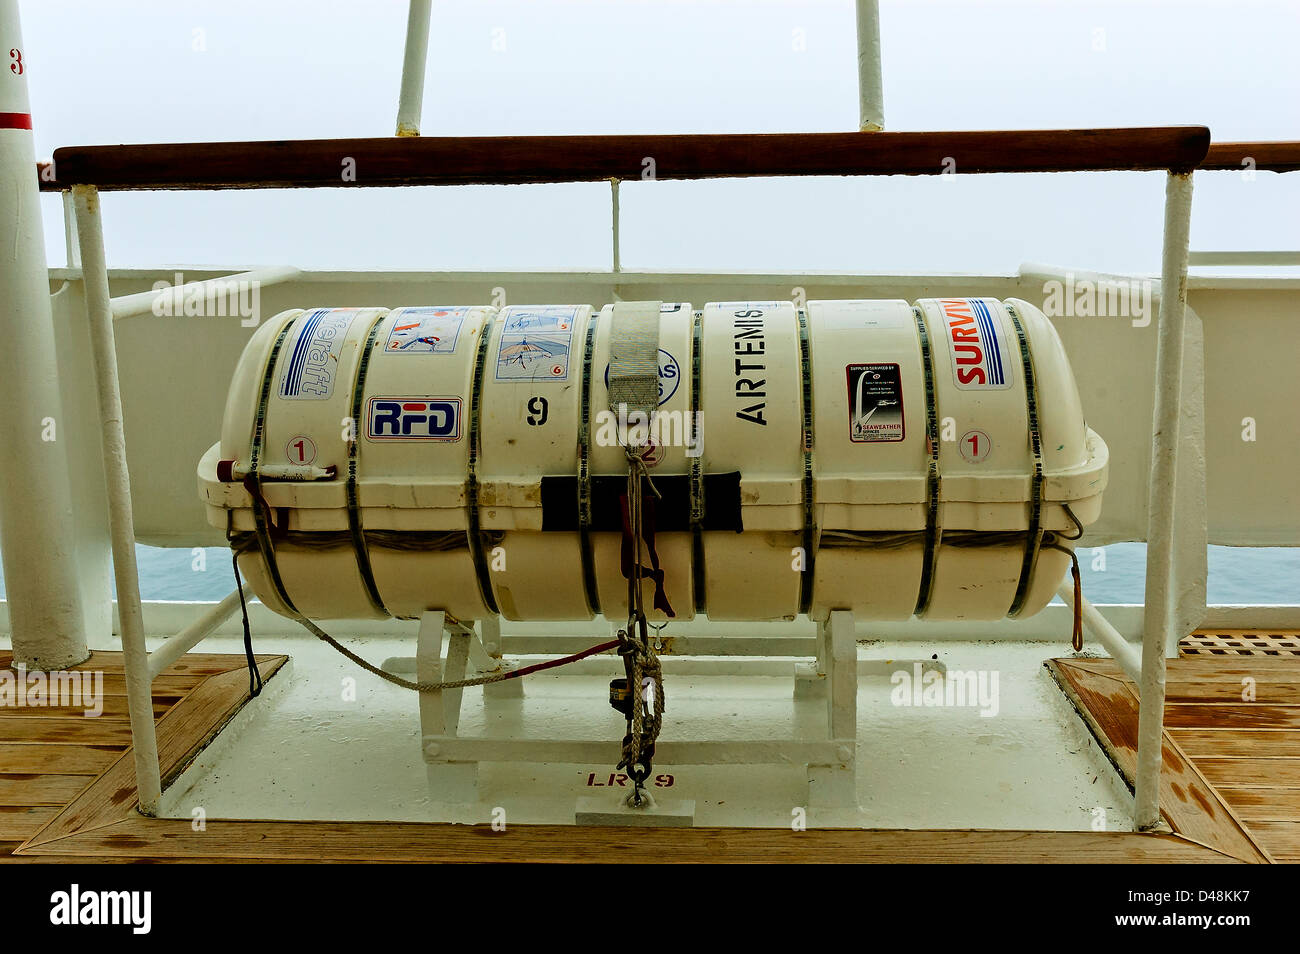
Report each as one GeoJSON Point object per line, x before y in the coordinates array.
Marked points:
{"type": "Point", "coordinates": [640, 661]}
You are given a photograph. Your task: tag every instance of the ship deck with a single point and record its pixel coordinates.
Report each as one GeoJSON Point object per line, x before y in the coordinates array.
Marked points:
{"type": "Point", "coordinates": [1231, 786]}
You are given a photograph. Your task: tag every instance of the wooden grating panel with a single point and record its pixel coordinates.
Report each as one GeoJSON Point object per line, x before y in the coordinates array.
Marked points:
{"type": "Point", "coordinates": [1241, 642]}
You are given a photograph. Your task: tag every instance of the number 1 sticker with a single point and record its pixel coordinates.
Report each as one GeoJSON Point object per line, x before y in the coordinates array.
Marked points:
{"type": "Point", "coordinates": [300, 450]}
{"type": "Point", "coordinates": [975, 446]}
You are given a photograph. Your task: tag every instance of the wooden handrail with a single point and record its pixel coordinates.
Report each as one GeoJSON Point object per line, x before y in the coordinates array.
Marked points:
{"type": "Point", "coordinates": [398, 161]}
{"type": "Point", "coordinates": [1278, 156]}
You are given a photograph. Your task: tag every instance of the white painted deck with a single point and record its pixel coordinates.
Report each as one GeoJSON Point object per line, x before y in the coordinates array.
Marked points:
{"type": "Point", "coordinates": [302, 752]}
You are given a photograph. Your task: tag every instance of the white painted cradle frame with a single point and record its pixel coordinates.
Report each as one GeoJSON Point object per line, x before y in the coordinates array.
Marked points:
{"type": "Point", "coordinates": [439, 715]}
{"type": "Point", "coordinates": [453, 759]}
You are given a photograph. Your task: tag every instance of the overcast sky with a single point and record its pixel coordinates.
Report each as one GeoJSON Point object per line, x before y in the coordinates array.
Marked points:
{"type": "Point", "coordinates": [176, 71]}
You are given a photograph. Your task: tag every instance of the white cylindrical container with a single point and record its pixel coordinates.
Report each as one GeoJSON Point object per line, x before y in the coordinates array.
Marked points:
{"type": "Point", "coordinates": [888, 458]}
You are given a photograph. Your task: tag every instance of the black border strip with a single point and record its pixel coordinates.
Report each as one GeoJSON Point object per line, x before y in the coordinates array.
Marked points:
{"type": "Point", "coordinates": [809, 522]}
{"type": "Point", "coordinates": [584, 470]}
{"type": "Point", "coordinates": [472, 532]}
{"type": "Point", "coordinates": [359, 548]}
{"type": "Point", "coordinates": [697, 465]}
{"type": "Point", "coordinates": [933, 531]}
{"type": "Point", "coordinates": [1033, 538]}
{"type": "Point", "coordinates": [263, 532]}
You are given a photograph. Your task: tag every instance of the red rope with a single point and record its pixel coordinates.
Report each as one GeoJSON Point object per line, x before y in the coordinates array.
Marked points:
{"type": "Point", "coordinates": [552, 663]}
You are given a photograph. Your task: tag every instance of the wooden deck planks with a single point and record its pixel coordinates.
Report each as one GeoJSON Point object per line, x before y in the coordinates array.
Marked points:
{"type": "Point", "coordinates": [1244, 715]}
{"type": "Point", "coordinates": [35, 790]}
{"type": "Point", "coordinates": [563, 844]}
{"type": "Point", "coordinates": [1187, 801]}
{"type": "Point", "coordinates": [1238, 743]}
{"type": "Point", "coordinates": [1233, 721]}
{"type": "Point", "coordinates": [52, 757]}
{"type": "Point", "coordinates": [110, 709]}
{"type": "Point", "coordinates": [181, 734]}
{"type": "Point", "coordinates": [1264, 804]}
{"type": "Point", "coordinates": [1281, 773]}
{"type": "Point", "coordinates": [61, 759]}
{"type": "Point", "coordinates": [1281, 838]}
{"type": "Point", "coordinates": [18, 823]}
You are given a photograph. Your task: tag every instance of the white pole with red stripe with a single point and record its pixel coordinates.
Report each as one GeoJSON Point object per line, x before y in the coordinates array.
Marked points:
{"type": "Point", "coordinates": [40, 568]}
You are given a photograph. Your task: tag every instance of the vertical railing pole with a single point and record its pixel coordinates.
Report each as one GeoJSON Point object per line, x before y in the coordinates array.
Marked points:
{"type": "Point", "coordinates": [871, 96]}
{"type": "Point", "coordinates": [1160, 616]}
{"type": "Point", "coordinates": [72, 254]}
{"type": "Point", "coordinates": [46, 618]}
{"type": "Point", "coordinates": [614, 226]}
{"type": "Point", "coordinates": [411, 99]}
{"type": "Point", "coordinates": [99, 315]}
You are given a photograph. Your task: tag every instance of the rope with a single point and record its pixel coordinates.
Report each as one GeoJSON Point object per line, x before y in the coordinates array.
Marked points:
{"type": "Point", "coordinates": [254, 674]}
{"type": "Point", "coordinates": [500, 675]}
{"type": "Point", "coordinates": [644, 733]}
{"type": "Point", "coordinates": [639, 658]}
{"type": "Point", "coordinates": [1049, 543]}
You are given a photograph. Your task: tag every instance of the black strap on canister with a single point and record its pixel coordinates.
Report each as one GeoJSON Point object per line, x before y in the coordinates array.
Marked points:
{"type": "Point", "coordinates": [359, 547]}
{"type": "Point", "coordinates": [699, 580]}
{"type": "Point", "coordinates": [809, 511]}
{"type": "Point", "coordinates": [933, 531]}
{"type": "Point", "coordinates": [473, 533]}
{"type": "Point", "coordinates": [583, 483]}
{"type": "Point", "coordinates": [261, 512]}
{"type": "Point", "coordinates": [1033, 536]}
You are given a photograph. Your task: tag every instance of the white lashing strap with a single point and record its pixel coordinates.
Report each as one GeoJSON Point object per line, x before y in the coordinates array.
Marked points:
{"type": "Point", "coordinates": [634, 357]}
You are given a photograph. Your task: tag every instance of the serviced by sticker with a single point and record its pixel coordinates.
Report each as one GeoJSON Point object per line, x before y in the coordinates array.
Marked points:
{"type": "Point", "coordinates": [875, 403]}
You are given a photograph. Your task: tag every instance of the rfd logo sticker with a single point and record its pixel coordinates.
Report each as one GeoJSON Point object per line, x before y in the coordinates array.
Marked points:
{"type": "Point", "coordinates": [413, 419]}
{"type": "Point", "coordinates": [978, 345]}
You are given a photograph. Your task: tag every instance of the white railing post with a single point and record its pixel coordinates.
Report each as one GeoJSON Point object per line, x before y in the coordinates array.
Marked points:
{"type": "Point", "coordinates": [871, 96]}
{"type": "Point", "coordinates": [40, 559]}
{"type": "Point", "coordinates": [99, 315]}
{"type": "Point", "coordinates": [614, 226]}
{"type": "Point", "coordinates": [200, 629]}
{"type": "Point", "coordinates": [1160, 617]}
{"type": "Point", "coordinates": [71, 252]}
{"type": "Point", "coordinates": [411, 99]}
